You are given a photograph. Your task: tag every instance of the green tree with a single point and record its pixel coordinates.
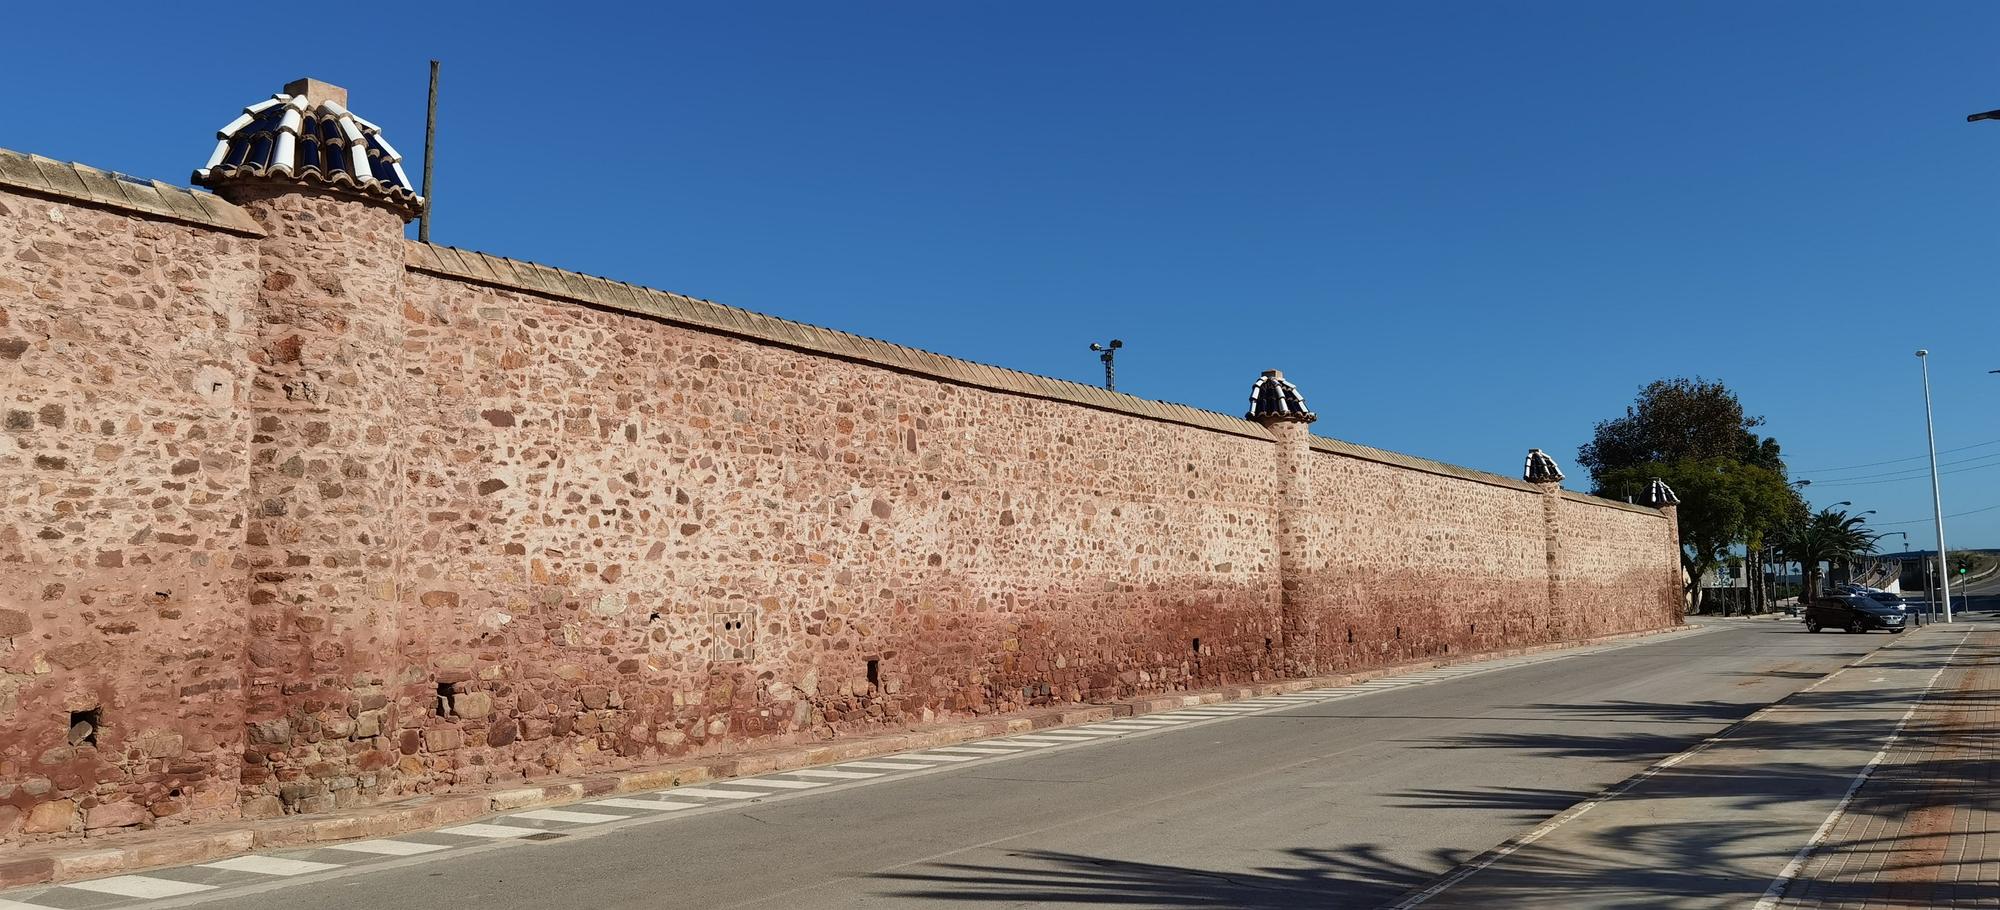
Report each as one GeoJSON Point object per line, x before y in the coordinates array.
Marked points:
{"type": "Point", "coordinates": [1676, 420]}
{"type": "Point", "coordinates": [1828, 536]}
{"type": "Point", "coordinates": [1694, 434]}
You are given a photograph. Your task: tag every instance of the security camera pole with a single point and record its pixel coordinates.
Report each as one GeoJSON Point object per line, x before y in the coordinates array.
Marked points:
{"type": "Point", "coordinates": [1110, 378]}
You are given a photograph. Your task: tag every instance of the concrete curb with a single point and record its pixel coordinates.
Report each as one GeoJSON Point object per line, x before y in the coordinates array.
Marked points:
{"type": "Point", "coordinates": [135, 852]}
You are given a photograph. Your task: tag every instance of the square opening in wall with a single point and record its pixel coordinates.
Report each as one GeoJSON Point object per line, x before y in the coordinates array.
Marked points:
{"type": "Point", "coordinates": [733, 636]}
{"type": "Point", "coordinates": [874, 672]}
{"type": "Point", "coordinates": [83, 726]}
{"type": "Point", "coordinates": [444, 700]}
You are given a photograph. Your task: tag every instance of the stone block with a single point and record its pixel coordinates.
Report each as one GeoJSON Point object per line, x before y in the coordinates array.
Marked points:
{"type": "Point", "coordinates": [52, 817]}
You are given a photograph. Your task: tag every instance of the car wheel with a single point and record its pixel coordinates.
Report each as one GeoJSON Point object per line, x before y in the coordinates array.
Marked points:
{"type": "Point", "coordinates": [1856, 627]}
{"type": "Point", "coordinates": [1812, 625]}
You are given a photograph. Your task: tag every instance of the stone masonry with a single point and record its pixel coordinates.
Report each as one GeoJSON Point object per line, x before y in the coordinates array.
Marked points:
{"type": "Point", "coordinates": [302, 515]}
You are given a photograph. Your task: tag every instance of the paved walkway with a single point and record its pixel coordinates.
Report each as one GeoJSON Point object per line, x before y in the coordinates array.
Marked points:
{"type": "Point", "coordinates": [1872, 788]}
{"type": "Point", "coordinates": [1925, 830]}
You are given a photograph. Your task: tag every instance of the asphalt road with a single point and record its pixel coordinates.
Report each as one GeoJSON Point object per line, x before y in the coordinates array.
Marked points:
{"type": "Point", "coordinates": [1339, 804]}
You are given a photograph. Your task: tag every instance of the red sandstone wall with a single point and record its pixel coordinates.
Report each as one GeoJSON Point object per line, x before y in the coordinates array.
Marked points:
{"type": "Point", "coordinates": [123, 368]}
{"type": "Point", "coordinates": [595, 497]}
{"type": "Point", "coordinates": [1408, 565]}
{"type": "Point", "coordinates": [312, 530]}
{"type": "Point", "coordinates": [1615, 566]}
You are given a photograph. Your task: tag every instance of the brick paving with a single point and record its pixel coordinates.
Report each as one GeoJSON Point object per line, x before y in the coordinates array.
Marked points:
{"type": "Point", "coordinates": [1925, 829]}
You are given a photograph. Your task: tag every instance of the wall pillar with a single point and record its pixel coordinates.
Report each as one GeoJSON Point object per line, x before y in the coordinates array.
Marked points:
{"type": "Point", "coordinates": [1541, 470]}
{"type": "Point", "coordinates": [1278, 405]}
{"type": "Point", "coordinates": [323, 667]}
{"type": "Point", "coordinates": [1662, 497]}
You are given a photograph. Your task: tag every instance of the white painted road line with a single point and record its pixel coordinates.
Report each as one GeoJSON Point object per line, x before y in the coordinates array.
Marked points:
{"type": "Point", "coordinates": [831, 774]}
{"type": "Point", "coordinates": [652, 805]}
{"type": "Point", "coordinates": [772, 783]}
{"type": "Point", "coordinates": [933, 756]}
{"type": "Point", "coordinates": [496, 832]}
{"type": "Point", "coordinates": [1052, 739]}
{"type": "Point", "coordinates": [1158, 720]}
{"type": "Point", "coordinates": [574, 818]}
{"type": "Point", "coordinates": [14, 905]}
{"type": "Point", "coordinates": [981, 749]}
{"type": "Point", "coordinates": [270, 865]}
{"type": "Point", "coordinates": [384, 848]}
{"type": "Point", "coordinates": [886, 765]}
{"type": "Point", "coordinates": [143, 886]}
{"type": "Point", "coordinates": [718, 794]}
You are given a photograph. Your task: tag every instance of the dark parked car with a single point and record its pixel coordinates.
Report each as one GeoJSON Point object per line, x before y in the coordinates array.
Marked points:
{"type": "Point", "coordinates": [1853, 613]}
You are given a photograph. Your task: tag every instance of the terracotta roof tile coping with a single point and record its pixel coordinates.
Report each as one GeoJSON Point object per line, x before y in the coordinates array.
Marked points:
{"type": "Point", "coordinates": [72, 182]}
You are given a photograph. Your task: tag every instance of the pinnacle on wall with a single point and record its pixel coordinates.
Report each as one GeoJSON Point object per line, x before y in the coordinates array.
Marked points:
{"type": "Point", "coordinates": [305, 136]}
{"type": "Point", "coordinates": [1273, 398]}
{"type": "Point", "coordinates": [1541, 468]}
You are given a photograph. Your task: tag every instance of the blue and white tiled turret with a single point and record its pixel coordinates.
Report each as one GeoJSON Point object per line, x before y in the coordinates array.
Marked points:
{"type": "Point", "coordinates": [306, 135]}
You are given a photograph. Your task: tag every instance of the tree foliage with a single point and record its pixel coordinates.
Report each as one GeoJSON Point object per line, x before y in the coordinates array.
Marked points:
{"type": "Point", "coordinates": [1694, 434]}
{"type": "Point", "coordinates": [1828, 536]}
{"type": "Point", "coordinates": [1676, 420]}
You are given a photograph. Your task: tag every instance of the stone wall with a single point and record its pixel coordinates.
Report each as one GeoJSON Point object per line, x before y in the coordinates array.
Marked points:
{"type": "Point", "coordinates": [315, 517]}
{"type": "Point", "coordinates": [124, 366]}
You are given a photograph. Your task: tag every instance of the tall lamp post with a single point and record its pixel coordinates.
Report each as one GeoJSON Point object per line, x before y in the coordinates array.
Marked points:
{"type": "Point", "coordinates": [1937, 498]}
{"type": "Point", "coordinates": [1109, 351]}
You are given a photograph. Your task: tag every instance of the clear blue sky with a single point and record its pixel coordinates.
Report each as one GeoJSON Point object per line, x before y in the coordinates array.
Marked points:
{"type": "Point", "coordinates": [1463, 228]}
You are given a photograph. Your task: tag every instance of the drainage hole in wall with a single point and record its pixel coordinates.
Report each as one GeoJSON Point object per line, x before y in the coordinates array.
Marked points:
{"type": "Point", "coordinates": [1195, 645]}
{"type": "Point", "coordinates": [83, 726]}
{"type": "Point", "coordinates": [1350, 635]}
{"type": "Point", "coordinates": [444, 700]}
{"type": "Point", "coordinates": [653, 616]}
{"type": "Point", "coordinates": [1399, 633]}
{"type": "Point", "coordinates": [1267, 644]}
{"type": "Point", "coordinates": [874, 672]}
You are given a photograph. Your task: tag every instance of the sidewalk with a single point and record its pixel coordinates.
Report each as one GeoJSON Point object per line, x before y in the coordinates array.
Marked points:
{"type": "Point", "coordinates": [1873, 787]}
{"type": "Point", "coordinates": [1925, 830]}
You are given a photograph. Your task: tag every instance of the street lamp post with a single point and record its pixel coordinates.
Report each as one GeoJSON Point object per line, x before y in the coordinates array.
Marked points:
{"type": "Point", "coordinates": [1937, 497]}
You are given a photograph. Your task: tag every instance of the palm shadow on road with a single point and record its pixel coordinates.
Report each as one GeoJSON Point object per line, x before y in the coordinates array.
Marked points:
{"type": "Point", "coordinates": [1354, 876]}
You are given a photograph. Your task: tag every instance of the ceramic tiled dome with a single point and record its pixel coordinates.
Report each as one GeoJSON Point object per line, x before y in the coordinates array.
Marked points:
{"type": "Point", "coordinates": [1273, 397]}
{"type": "Point", "coordinates": [306, 134]}
{"type": "Point", "coordinates": [1658, 494]}
{"type": "Point", "coordinates": [1541, 468]}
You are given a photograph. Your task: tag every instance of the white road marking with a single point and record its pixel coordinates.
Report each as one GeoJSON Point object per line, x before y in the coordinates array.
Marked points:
{"type": "Point", "coordinates": [885, 765]}
{"type": "Point", "coordinates": [575, 818]}
{"type": "Point", "coordinates": [978, 750]}
{"type": "Point", "coordinates": [270, 865]}
{"type": "Point", "coordinates": [717, 794]}
{"type": "Point", "coordinates": [496, 832]}
{"type": "Point", "coordinates": [384, 847]}
{"type": "Point", "coordinates": [16, 905]}
{"type": "Point", "coordinates": [831, 774]}
{"type": "Point", "coordinates": [143, 886]}
{"type": "Point", "coordinates": [1099, 730]}
{"type": "Point", "coordinates": [933, 756]}
{"type": "Point", "coordinates": [656, 805]}
{"type": "Point", "coordinates": [772, 783]}
{"type": "Point", "coordinates": [1153, 721]}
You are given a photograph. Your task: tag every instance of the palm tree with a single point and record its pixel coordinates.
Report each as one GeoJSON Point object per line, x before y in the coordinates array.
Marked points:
{"type": "Point", "coordinates": [1828, 536]}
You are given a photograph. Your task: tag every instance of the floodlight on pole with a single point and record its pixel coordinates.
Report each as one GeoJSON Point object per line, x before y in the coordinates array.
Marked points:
{"type": "Point", "coordinates": [1109, 350]}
